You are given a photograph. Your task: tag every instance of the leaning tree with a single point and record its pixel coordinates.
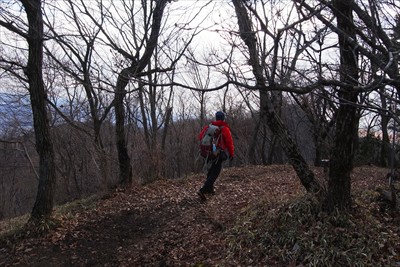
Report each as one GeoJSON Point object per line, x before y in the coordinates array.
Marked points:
{"type": "Point", "coordinates": [265, 83]}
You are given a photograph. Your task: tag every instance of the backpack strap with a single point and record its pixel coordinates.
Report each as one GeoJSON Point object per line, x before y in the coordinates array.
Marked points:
{"type": "Point", "coordinates": [220, 134]}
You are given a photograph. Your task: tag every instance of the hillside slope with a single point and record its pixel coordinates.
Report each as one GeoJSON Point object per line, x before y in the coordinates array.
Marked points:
{"type": "Point", "coordinates": [164, 223]}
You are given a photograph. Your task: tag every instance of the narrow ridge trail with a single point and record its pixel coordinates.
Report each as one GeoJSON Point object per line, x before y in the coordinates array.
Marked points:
{"type": "Point", "coordinates": [160, 224]}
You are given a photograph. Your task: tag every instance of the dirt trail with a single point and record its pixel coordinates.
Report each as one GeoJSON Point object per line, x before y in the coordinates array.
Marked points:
{"type": "Point", "coordinates": [162, 224]}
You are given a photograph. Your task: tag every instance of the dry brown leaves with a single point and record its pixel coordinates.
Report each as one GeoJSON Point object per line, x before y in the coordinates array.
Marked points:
{"type": "Point", "coordinates": [164, 223]}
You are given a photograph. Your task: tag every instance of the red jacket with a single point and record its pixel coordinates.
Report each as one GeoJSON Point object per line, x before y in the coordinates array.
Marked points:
{"type": "Point", "coordinates": [226, 142]}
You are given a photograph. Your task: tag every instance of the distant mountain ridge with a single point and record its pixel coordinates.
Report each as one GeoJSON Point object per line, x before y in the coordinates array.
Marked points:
{"type": "Point", "coordinates": [15, 113]}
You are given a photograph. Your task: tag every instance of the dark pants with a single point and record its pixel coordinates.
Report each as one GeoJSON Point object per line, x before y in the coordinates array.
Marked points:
{"type": "Point", "coordinates": [213, 174]}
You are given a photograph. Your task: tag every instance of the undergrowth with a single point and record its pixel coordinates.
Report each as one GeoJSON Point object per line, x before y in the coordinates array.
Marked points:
{"type": "Point", "coordinates": [299, 232]}
{"type": "Point", "coordinates": [21, 226]}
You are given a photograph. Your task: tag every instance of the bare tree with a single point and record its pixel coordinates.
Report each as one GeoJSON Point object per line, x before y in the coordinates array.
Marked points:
{"type": "Point", "coordinates": [339, 185]}
{"type": "Point", "coordinates": [138, 64]}
{"type": "Point", "coordinates": [268, 101]}
{"type": "Point", "coordinates": [199, 74]}
{"type": "Point", "coordinates": [355, 41]}
{"type": "Point", "coordinates": [34, 71]}
{"type": "Point", "coordinates": [77, 55]}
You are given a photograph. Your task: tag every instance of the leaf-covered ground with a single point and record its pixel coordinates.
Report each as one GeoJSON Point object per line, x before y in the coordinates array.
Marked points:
{"type": "Point", "coordinates": [258, 217]}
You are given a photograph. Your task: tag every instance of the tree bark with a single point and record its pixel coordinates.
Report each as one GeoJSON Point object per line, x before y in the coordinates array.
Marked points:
{"type": "Point", "coordinates": [124, 161]}
{"type": "Point", "coordinates": [385, 145]}
{"type": "Point", "coordinates": [341, 161]}
{"type": "Point", "coordinates": [299, 164]}
{"type": "Point", "coordinates": [254, 142]}
{"type": "Point", "coordinates": [47, 177]}
{"type": "Point", "coordinates": [391, 197]}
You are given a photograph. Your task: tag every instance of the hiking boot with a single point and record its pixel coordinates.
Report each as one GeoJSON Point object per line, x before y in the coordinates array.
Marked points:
{"type": "Point", "coordinates": [202, 195]}
{"type": "Point", "coordinates": [210, 192]}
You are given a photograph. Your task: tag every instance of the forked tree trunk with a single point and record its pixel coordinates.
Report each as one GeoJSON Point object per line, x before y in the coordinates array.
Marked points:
{"type": "Point", "coordinates": [125, 167]}
{"type": "Point", "coordinates": [47, 176]}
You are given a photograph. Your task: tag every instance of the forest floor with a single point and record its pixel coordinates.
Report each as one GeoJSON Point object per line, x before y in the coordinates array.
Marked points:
{"type": "Point", "coordinates": [165, 224]}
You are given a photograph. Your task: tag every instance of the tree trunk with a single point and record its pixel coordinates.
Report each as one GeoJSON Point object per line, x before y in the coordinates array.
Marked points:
{"type": "Point", "coordinates": [391, 197]}
{"type": "Point", "coordinates": [385, 145]}
{"type": "Point", "coordinates": [125, 168]}
{"type": "Point", "coordinates": [341, 161]}
{"type": "Point", "coordinates": [272, 144]}
{"type": "Point", "coordinates": [47, 176]}
{"type": "Point", "coordinates": [299, 164]}
{"type": "Point", "coordinates": [318, 153]}
{"type": "Point", "coordinates": [254, 142]}
{"type": "Point", "coordinates": [124, 161]}
{"type": "Point", "coordinates": [268, 112]}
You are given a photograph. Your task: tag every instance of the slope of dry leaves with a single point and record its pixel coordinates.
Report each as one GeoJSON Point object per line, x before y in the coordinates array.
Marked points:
{"type": "Point", "coordinates": [165, 224]}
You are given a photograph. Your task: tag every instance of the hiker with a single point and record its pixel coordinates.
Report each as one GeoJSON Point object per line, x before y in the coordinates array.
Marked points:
{"type": "Point", "coordinates": [225, 148]}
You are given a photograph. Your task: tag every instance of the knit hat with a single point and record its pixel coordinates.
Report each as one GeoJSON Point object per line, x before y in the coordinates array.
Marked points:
{"type": "Point", "coordinates": [220, 116]}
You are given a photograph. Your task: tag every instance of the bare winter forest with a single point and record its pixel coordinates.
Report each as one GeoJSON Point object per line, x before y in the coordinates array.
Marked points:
{"type": "Point", "coordinates": [81, 172]}
{"type": "Point", "coordinates": [98, 96]}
